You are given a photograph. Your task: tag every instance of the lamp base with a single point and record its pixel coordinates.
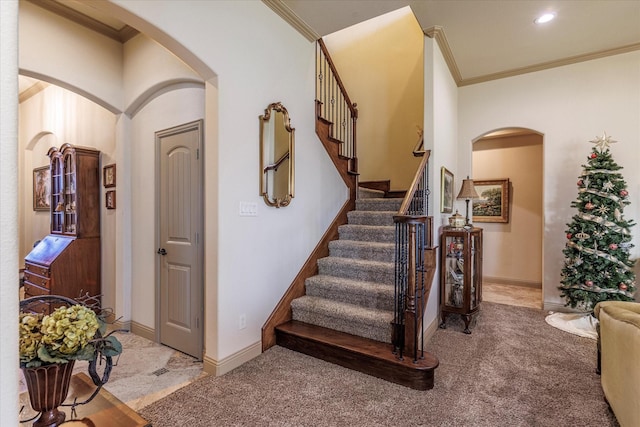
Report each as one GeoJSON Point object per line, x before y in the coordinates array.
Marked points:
{"type": "Point", "coordinates": [466, 218]}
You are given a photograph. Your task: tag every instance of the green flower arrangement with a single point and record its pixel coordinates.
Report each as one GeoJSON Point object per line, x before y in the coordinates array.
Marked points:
{"type": "Point", "coordinates": [68, 333]}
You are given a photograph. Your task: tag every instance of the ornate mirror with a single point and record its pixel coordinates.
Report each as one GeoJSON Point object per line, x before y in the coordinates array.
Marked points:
{"type": "Point", "coordinates": [276, 156]}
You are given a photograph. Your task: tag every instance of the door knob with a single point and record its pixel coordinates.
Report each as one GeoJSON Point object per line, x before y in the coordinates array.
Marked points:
{"type": "Point", "coordinates": [162, 251]}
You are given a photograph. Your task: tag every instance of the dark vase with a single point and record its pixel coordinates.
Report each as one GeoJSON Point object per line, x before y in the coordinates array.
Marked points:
{"type": "Point", "coordinates": [48, 387]}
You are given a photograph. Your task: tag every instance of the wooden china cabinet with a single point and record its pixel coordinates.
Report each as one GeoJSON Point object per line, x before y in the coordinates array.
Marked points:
{"type": "Point", "coordinates": [460, 273]}
{"type": "Point", "coordinates": [67, 261]}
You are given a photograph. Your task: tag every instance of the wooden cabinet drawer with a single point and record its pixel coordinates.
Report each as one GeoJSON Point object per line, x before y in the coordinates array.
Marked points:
{"type": "Point", "coordinates": [36, 269]}
{"type": "Point", "coordinates": [43, 282]}
{"type": "Point", "coordinates": [31, 290]}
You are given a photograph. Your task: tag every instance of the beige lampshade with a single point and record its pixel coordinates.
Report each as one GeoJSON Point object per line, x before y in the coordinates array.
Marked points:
{"type": "Point", "coordinates": [468, 191]}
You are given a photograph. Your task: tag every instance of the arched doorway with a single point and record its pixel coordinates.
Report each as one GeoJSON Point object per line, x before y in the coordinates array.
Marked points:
{"type": "Point", "coordinates": [513, 262]}
{"type": "Point", "coordinates": [132, 291]}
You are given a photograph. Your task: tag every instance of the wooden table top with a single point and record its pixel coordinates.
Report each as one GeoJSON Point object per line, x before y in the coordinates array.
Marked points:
{"type": "Point", "coordinates": [105, 410]}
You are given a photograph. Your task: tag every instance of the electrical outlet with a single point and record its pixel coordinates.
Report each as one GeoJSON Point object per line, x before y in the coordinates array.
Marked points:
{"type": "Point", "coordinates": [242, 321]}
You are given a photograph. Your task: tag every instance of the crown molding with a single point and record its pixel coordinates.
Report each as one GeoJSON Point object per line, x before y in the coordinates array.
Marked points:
{"type": "Point", "coordinates": [437, 32]}
{"type": "Point", "coordinates": [123, 35]}
{"type": "Point", "coordinates": [294, 20]}
{"type": "Point", "coordinates": [551, 64]}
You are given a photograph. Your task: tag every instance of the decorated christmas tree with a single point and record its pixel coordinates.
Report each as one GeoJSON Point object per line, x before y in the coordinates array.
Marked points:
{"type": "Point", "coordinates": [597, 265]}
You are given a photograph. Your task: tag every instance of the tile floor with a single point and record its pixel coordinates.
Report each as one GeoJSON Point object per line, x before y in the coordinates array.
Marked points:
{"type": "Point", "coordinates": [522, 296]}
{"type": "Point", "coordinates": [145, 371]}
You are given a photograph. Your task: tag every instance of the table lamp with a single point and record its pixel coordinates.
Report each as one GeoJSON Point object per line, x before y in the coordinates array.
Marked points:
{"type": "Point", "coordinates": [467, 192]}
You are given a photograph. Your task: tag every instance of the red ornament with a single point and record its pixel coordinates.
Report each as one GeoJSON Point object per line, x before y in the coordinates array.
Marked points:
{"type": "Point", "coordinates": [589, 283]}
{"type": "Point", "coordinates": [624, 193]}
{"type": "Point", "coordinates": [589, 206]}
{"type": "Point", "coordinates": [569, 235]}
{"type": "Point", "coordinates": [580, 183]}
{"type": "Point", "coordinates": [613, 246]}
{"type": "Point", "coordinates": [622, 287]}
{"type": "Point", "coordinates": [594, 155]}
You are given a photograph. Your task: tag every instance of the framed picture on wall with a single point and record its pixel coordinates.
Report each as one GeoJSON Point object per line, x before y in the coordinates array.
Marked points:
{"type": "Point", "coordinates": [41, 189]}
{"type": "Point", "coordinates": [493, 204]}
{"type": "Point", "coordinates": [109, 176]}
{"type": "Point", "coordinates": [446, 190]}
{"type": "Point", "coordinates": [110, 199]}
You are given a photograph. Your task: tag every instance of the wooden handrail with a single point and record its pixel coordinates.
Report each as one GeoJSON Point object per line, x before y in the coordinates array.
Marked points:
{"type": "Point", "coordinates": [323, 47]}
{"type": "Point", "coordinates": [417, 179]}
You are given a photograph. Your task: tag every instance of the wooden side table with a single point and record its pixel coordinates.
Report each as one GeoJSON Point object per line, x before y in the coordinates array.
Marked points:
{"type": "Point", "coordinates": [105, 410]}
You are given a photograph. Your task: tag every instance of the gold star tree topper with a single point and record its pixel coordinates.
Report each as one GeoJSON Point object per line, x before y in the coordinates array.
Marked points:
{"type": "Point", "coordinates": [603, 142]}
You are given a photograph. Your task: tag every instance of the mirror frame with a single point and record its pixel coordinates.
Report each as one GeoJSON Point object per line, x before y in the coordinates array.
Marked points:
{"type": "Point", "coordinates": [264, 166]}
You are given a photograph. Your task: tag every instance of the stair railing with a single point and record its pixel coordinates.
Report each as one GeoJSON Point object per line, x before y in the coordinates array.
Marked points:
{"type": "Point", "coordinates": [334, 106]}
{"type": "Point", "coordinates": [414, 265]}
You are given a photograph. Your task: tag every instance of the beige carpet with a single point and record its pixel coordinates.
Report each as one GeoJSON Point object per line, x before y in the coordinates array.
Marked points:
{"type": "Point", "coordinates": [513, 370]}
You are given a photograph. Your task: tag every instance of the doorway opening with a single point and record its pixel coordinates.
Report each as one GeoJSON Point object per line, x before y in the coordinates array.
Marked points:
{"type": "Point", "coordinates": [513, 261]}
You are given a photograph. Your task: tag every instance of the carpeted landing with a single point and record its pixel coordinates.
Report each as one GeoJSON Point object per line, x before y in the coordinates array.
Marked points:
{"type": "Point", "coordinates": [513, 370]}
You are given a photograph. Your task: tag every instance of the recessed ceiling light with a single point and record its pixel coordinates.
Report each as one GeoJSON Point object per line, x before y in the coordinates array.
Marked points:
{"type": "Point", "coordinates": [543, 19]}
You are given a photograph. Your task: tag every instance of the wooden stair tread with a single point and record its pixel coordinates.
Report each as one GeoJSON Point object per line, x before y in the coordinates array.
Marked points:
{"type": "Point", "coordinates": [362, 354]}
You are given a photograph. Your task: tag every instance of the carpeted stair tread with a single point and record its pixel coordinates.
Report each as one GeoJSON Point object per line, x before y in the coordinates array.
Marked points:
{"type": "Point", "coordinates": [371, 217]}
{"type": "Point", "coordinates": [359, 269]}
{"type": "Point", "coordinates": [365, 322]}
{"type": "Point", "coordinates": [367, 233]}
{"type": "Point", "coordinates": [358, 292]}
{"type": "Point", "coordinates": [369, 193]}
{"type": "Point", "coordinates": [373, 251]}
{"type": "Point", "coordinates": [381, 204]}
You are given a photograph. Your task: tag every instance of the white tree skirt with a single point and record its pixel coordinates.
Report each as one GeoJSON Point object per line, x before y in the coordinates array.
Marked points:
{"type": "Point", "coordinates": [582, 324]}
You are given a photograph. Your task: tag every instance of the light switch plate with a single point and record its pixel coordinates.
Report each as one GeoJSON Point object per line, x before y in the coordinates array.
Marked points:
{"type": "Point", "coordinates": [248, 209]}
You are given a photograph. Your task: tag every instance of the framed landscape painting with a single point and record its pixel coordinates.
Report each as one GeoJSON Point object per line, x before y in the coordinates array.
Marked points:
{"type": "Point", "coordinates": [493, 204]}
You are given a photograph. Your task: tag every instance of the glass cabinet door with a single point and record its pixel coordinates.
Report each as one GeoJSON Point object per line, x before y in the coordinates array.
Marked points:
{"type": "Point", "coordinates": [476, 268]}
{"type": "Point", "coordinates": [57, 195]}
{"type": "Point", "coordinates": [69, 194]}
{"type": "Point", "coordinates": [454, 271]}
{"type": "Point", "coordinates": [474, 273]}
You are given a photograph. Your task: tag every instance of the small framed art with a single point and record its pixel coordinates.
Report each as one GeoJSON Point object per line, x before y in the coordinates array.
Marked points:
{"type": "Point", "coordinates": [110, 199]}
{"type": "Point", "coordinates": [41, 189]}
{"type": "Point", "coordinates": [109, 176]}
{"type": "Point", "coordinates": [446, 190]}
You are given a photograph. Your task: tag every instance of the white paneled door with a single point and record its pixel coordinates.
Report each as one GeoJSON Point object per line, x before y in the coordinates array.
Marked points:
{"type": "Point", "coordinates": [180, 295]}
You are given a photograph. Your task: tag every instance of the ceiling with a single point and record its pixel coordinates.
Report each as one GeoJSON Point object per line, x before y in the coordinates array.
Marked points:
{"type": "Point", "coordinates": [489, 39]}
{"type": "Point", "coordinates": [481, 40]}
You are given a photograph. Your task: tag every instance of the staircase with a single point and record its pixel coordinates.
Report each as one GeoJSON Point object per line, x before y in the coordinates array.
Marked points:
{"type": "Point", "coordinates": [346, 315]}
{"type": "Point", "coordinates": [359, 299]}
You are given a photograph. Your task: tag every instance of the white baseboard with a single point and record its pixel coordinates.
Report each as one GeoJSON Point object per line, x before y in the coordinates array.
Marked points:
{"type": "Point", "coordinates": [231, 362]}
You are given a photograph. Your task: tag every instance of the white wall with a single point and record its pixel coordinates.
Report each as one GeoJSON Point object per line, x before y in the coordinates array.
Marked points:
{"type": "Point", "coordinates": [440, 136]}
{"type": "Point", "coordinates": [9, 213]}
{"type": "Point", "coordinates": [570, 106]}
{"type": "Point", "coordinates": [51, 46]}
